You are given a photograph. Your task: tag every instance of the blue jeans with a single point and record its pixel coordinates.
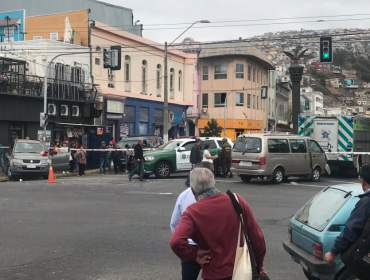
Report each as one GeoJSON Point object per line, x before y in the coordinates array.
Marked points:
{"type": "Point", "coordinates": [188, 179]}
{"type": "Point", "coordinates": [109, 162]}
{"type": "Point", "coordinates": [2, 164]}
{"type": "Point", "coordinates": [103, 165]}
{"type": "Point", "coordinates": [139, 169]}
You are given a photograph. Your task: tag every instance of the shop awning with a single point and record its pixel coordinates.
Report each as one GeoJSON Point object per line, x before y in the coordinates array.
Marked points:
{"type": "Point", "coordinates": [77, 124]}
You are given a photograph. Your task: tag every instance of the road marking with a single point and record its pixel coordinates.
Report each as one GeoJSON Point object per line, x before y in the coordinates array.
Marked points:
{"type": "Point", "coordinates": [305, 185]}
{"type": "Point", "coordinates": [166, 193]}
{"type": "Point", "coordinates": [347, 182]}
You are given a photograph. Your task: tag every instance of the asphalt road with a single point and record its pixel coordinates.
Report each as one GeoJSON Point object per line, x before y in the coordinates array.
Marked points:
{"type": "Point", "coordinates": [105, 227]}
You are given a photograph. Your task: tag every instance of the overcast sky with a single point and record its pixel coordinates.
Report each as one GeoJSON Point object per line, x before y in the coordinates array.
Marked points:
{"type": "Point", "coordinates": [187, 11]}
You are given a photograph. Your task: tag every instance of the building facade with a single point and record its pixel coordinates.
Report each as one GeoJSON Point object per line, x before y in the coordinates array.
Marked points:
{"type": "Point", "coordinates": [236, 72]}
{"type": "Point", "coordinates": [12, 25]}
{"type": "Point", "coordinates": [315, 99]}
{"type": "Point", "coordinates": [271, 100]}
{"type": "Point", "coordinates": [137, 89]}
{"type": "Point", "coordinates": [283, 93]}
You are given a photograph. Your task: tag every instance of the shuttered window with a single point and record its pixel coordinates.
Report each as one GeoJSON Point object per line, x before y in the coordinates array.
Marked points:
{"type": "Point", "coordinates": [158, 115]}
{"type": "Point", "coordinates": [144, 114]}
{"type": "Point", "coordinates": [129, 114]}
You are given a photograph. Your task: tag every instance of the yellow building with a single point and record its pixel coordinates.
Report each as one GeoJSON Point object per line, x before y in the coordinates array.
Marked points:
{"type": "Point", "coordinates": [241, 69]}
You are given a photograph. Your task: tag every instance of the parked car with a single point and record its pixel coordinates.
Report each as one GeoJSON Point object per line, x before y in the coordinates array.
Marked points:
{"type": "Point", "coordinates": [313, 229]}
{"type": "Point", "coordinates": [277, 157]}
{"type": "Point", "coordinates": [174, 156]}
{"type": "Point", "coordinates": [26, 159]}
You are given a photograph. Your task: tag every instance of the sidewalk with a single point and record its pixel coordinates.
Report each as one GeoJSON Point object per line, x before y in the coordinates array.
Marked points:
{"type": "Point", "coordinates": [4, 178]}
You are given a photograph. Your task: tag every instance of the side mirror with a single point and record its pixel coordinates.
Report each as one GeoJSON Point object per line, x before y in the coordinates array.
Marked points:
{"type": "Point", "coordinates": [181, 149]}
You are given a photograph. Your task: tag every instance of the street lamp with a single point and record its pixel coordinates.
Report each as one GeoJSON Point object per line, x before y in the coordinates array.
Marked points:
{"type": "Point", "coordinates": [165, 96]}
{"type": "Point", "coordinates": [7, 24]}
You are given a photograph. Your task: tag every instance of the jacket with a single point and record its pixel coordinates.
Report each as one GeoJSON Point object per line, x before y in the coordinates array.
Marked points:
{"type": "Point", "coordinates": [1, 150]}
{"type": "Point", "coordinates": [213, 224]}
{"type": "Point", "coordinates": [195, 155]}
{"type": "Point", "coordinates": [138, 152]}
{"type": "Point", "coordinates": [103, 154]}
{"type": "Point", "coordinates": [117, 155]}
{"type": "Point", "coordinates": [354, 225]}
{"type": "Point", "coordinates": [82, 157]}
{"type": "Point", "coordinates": [109, 153]}
{"type": "Point", "coordinates": [226, 151]}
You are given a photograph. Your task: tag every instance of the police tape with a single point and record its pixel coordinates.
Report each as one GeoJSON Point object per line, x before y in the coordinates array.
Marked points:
{"type": "Point", "coordinates": [105, 150]}
{"type": "Point", "coordinates": [347, 153]}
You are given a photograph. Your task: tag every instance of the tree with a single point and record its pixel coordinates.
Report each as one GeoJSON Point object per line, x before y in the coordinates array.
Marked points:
{"type": "Point", "coordinates": [340, 57]}
{"type": "Point", "coordinates": [288, 117]}
{"type": "Point", "coordinates": [212, 129]}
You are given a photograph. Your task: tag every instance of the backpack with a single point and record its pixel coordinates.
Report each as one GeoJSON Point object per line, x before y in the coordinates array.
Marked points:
{"type": "Point", "coordinates": [357, 257]}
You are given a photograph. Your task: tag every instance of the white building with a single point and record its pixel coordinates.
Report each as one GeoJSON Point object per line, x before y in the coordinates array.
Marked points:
{"type": "Point", "coordinates": [315, 98]}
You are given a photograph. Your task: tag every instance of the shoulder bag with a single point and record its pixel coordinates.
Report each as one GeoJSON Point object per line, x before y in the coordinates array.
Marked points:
{"type": "Point", "coordinates": [245, 265]}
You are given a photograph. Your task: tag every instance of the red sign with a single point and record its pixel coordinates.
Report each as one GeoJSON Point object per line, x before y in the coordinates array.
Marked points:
{"type": "Point", "coordinates": [99, 131]}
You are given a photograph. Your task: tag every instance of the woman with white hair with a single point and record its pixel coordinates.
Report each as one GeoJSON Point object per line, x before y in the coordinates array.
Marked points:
{"type": "Point", "coordinates": [212, 223]}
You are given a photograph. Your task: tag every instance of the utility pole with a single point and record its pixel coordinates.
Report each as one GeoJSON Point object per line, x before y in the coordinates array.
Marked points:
{"type": "Point", "coordinates": [165, 96]}
{"type": "Point", "coordinates": [7, 24]}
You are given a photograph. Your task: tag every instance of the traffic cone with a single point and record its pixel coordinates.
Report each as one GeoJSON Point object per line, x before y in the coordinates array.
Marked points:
{"type": "Point", "coordinates": [51, 178]}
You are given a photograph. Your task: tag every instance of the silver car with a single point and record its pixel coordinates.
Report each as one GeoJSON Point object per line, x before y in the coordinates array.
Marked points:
{"type": "Point", "coordinates": [27, 159]}
{"type": "Point", "coordinates": [277, 157]}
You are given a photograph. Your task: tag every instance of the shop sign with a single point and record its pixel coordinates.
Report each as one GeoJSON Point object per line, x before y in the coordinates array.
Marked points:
{"type": "Point", "coordinates": [124, 131]}
{"type": "Point", "coordinates": [176, 117]}
{"type": "Point", "coordinates": [99, 131]}
{"type": "Point", "coordinates": [114, 117]}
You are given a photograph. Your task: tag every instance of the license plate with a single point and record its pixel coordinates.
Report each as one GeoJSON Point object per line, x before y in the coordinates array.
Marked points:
{"type": "Point", "coordinates": [31, 166]}
{"type": "Point", "coordinates": [304, 266]}
{"type": "Point", "coordinates": [245, 163]}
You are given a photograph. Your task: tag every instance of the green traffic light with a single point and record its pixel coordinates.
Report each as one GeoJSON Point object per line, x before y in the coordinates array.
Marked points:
{"type": "Point", "coordinates": [326, 55]}
{"type": "Point", "coordinates": [307, 107]}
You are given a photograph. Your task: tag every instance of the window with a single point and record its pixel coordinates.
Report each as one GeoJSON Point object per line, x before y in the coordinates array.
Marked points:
{"type": "Point", "coordinates": [239, 71]}
{"type": "Point", "coordinates": [180, 80]}
{"type": "Point", "coordinates": [249, 72]}
{"type": "Point", "coordinates": [127, 68]}
{"type": "Point", "coordinates": [269, 105]}
{"type": "Point", "coordinates": [172, 76]}
{"type": "Point", "coordinates": [278, 146]}
{"type": "Point", "coordinates": [211, 143]}
{"type": "Point", "coordinates": [298, 146]}
{"type": "Point", "coordinates": [240, 99]}
{"type": "Point", "coordinates": [188, 146]}
{"type": "Point", "coordinates": [54, 36]}
{"type": "Point", "coordinates": [159, 71]}
{"type": "Point", "coordinates": [257, 103]}
{"type": "Point", "coordinates": [205, 73]}
{"type": "Point", "coordinates": [205, 100]}
{"type": "Point", "coordinates": [220, 72]}
{"type": "Point", "coordinates": [143, 78]}
{"type": "Point", "coordinates": [37, 37]}
{"type": "Point", "coordinates": [9, 31]}
{"type": "Point", "coordinates": [220, 99]}
{"type": "Point", "coordinates": [254, 74]}
{"type": "Point", "coordinates": [97, 61]}
{"type": "Point", "coordinates": [248, 101]}
{"type": "Point", "coordinates": [254, 102]}
{"type": "Point", "coordinates": [257, 75]}
{"type": "Point", "coordinates": [315, 147]}
{"type": "Point", "coordinates": [248, 145]}
{"type": "Point", "coordinates": [238, 132]}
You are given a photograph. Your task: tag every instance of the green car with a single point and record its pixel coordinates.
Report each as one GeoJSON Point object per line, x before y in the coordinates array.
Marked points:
{"type": "Point", "coordinates": [174, 156]}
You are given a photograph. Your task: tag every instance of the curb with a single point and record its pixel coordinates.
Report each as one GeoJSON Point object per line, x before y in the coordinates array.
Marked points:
{"type": "Point", "coordinates": [93, 171]}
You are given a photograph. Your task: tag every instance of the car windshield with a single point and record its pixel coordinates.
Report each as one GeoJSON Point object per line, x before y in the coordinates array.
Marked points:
{"type": "Point", "coordinates": [33, 148]}
{"type": "Point", "coordinates": [318, 212]}
{"type": "Point", "coordinates": [171, 145]}
{"type": "Point", "coordinates": [248, 145]}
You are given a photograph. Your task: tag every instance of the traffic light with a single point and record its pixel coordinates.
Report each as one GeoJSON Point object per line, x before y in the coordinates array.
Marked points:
{"type": "Point", "coordinates": [43, 119]}
{"type": "Point", "coordinates": [112, 58]}
{"type": "Point", "coordinates": [326, 50]}
{"type": "Point", "coordinates": [106, 58]}
{"type": "Point", "coordinates": [307, 104]}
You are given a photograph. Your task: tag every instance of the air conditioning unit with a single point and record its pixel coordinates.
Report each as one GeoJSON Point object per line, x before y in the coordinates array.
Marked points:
{"type": "Point", "coordinates": [52, 110]}
{"type": "Point", "coordinates": [75, 111]}
{"type": "Point", "coordinates": [204, 110]}
{"type": "Point", "coordinates": [64, 110]}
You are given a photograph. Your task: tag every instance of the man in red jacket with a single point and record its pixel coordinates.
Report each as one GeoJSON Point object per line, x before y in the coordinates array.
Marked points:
{"type": "Point", "coordinates": [213, 224]}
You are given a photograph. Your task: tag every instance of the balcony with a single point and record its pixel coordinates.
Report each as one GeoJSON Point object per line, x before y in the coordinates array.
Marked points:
{"type": "Point", "coordinates": [192, 112]}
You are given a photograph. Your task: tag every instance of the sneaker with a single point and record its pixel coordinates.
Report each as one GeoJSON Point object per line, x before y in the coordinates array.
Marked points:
{"type": "Point", "coordinates": [129, 177]}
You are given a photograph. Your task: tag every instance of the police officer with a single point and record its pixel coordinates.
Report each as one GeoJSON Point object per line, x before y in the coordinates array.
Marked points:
{"type": "Point", "coordinates": [226, 157]}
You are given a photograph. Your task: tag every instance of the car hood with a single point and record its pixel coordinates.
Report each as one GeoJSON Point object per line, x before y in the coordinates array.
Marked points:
{"type": "Point", "coordinates": [28, 156]}
{"type": "Point", "coordinates": [156, 152]}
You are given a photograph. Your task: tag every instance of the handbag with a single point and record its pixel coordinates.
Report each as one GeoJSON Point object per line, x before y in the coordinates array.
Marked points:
{"type": "Point", "coordinates": [245, 265]}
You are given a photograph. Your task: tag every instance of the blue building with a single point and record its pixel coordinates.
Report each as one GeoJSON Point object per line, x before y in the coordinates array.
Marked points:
{"type": "Point", "coordinates": [12, 26]}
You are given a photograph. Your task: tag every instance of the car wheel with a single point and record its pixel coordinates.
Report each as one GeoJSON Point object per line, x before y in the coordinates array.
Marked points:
{"type": "Point", "coordinates": [245, 178]}
{"type": "Point", "coordinates": [347, 275]}
{"type": "Point", "coordinates": [309, 276]}
{"type": "Point", "coordinates": [162, 170]}
{"type": "Point", "coordinates": [9, 174]}
{"type": "Point", "coordinates": [278, 176]}
{"type": "Point", "coordinates": [315, 175]}
{"type": "Point", "coordinates": [219, 171]}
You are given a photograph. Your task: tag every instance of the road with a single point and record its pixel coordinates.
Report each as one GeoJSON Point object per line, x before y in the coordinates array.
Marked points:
{"type": "Point", "coordinates": [105, 227]}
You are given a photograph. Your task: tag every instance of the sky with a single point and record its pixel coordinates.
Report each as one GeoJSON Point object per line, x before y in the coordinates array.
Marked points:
{"type": "Point", "coordinates": [251, 14]}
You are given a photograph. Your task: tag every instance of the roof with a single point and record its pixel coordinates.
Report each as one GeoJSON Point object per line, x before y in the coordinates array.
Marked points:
{"type": "Point", "coordinates": [11, 22]}
{"type": "Point", "coordinates": [235, 48]}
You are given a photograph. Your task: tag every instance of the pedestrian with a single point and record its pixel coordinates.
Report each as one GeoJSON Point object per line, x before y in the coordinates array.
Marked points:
{"type": "Point", "coordinates": [81, 161]}
{"type": "Point", "coordinates": [154, 145]}
{"type": "Point", "coordinates": [189, 269]}
{"type": "Point", "coordinates": [139, 161]}
{"type": "Point", "coordinates": [109, 156]}
{"type": "Point", "coordinates": [226, 158]}
{"type": "Point", "coordinates": [57, 147]}
{"type": "Point", "coordinates": [117, 160]}
{"type": "Point", "coordinates": [207, 155]}
{"type": "Point", "coordinates": [75, 156]}
{"type": "Point", "coordinates": [112, 140]}
{"type": "Point", "coordinates": [355, 226]}
{"type": "Point", "coordinates": [2, 158]}
{"type": "Point", "coordinates": [103, 158]}
{"type": "Point", "coordinates": [195, 157]}
{"type": "Point", "coordinates": [129, 155]}
{"type": "Point", "coordinates": [213, 224]}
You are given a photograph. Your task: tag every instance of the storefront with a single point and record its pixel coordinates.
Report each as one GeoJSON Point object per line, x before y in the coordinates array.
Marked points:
{"type": "Point", "coordinates": [113, 110]}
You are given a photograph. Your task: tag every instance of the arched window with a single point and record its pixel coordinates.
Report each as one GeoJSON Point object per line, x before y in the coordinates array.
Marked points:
{"type": "Point", "coordinates": [159, 77]}
{"type": "Point", "coordinates": [180, 80]}
{"type": "Point", "coordinates": [127, 72]}
{"type": "Point", "coordinates": [172, 77]}
{"type": "Point", "coordinates": [144, 74]}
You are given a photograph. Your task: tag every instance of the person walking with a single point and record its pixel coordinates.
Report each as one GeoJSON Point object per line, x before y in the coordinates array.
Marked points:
{"type": "Point", "coordinates": [139, 161]}
{"type": "Point", "coordinates": [103, 158]}
{"type": "Point", "coordinates": [213, 224]}
{"type": "Point", "coordinates": [195, 157]}
{"type": "Point", "coordinates": [109, 156]}
{"type": "Point", "coordinates": [189, 269]}
{"type": "Point", "coordinates": [117, 160]}
{"type": "Point", "coordinates": [128, 157]}
{"type": "Point", "coordinates": [81, 154]}
{"type": "Point", "coordinates": [226, 158]}
{"type": "Point", "coordinates": [2, 158]}
{"type": "Point", "coordinates": [355, 224]}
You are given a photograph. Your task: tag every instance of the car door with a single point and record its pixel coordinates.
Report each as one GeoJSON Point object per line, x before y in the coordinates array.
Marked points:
{"type": "Point", "coordinates": [183, 157]}
{"type": "Point", "coordinates": [279, 155]}
{"type": "Point", "coordinates": [60, 161]}
{"type": "Point", "coordinates": [317, 155]}
{"type": "Point", "coordinates": [301, 157]}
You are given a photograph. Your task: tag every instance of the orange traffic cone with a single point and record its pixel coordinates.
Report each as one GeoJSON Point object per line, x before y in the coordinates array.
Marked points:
{"type": "Point", "coordinates": [51, 175]}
